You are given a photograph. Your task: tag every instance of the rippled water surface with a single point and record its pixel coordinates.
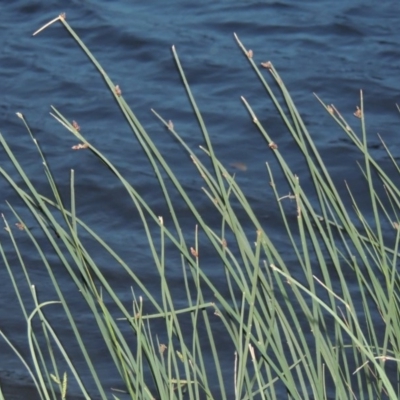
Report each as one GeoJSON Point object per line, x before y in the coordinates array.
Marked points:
{"type": "Point", "coordinates": [333, 49]}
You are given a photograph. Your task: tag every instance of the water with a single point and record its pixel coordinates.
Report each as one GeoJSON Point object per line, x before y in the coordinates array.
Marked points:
{"type": "Point", "coordinates": [331, 48]}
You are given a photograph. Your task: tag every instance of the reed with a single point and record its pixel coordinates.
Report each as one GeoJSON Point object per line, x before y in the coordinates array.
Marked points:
{"type": "Point", "coordinates": [298, 329]}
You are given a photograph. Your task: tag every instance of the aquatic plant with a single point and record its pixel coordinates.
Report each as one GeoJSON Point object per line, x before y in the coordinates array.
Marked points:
{"type": "Point", "coordinates": [323, 325]}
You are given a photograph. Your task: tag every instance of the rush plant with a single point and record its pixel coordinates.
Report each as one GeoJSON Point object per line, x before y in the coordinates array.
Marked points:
{"type": "Point", "coordinates": [323, 325]}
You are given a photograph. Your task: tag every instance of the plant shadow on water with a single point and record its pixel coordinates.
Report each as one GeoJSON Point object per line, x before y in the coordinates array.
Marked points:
{"type": "Point", "coordinates": [225, 295]}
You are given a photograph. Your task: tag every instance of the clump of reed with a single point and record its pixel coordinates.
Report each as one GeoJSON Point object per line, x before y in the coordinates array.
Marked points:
{"type": "Point", "coordinates": [295, 330]}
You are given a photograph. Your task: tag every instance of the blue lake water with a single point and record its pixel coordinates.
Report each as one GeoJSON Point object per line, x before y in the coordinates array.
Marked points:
{"type": "Point", "coordinates": [333, 49]}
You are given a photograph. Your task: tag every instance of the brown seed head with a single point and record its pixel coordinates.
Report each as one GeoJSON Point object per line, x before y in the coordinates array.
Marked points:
{"type": "Point", "coordinates": [273, 146]}
{"type": "Point", "coordinates": [194, 252]}
{"type": "Point", "coordinates": [358, 113]}
{"type": "Point", "coordinates": [267, 64]}
{"type": "Point", "coordinates": [117, 90]}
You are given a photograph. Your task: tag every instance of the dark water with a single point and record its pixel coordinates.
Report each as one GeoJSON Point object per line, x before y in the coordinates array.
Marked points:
{"type": "Point", "coordinates": [331, 48]}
